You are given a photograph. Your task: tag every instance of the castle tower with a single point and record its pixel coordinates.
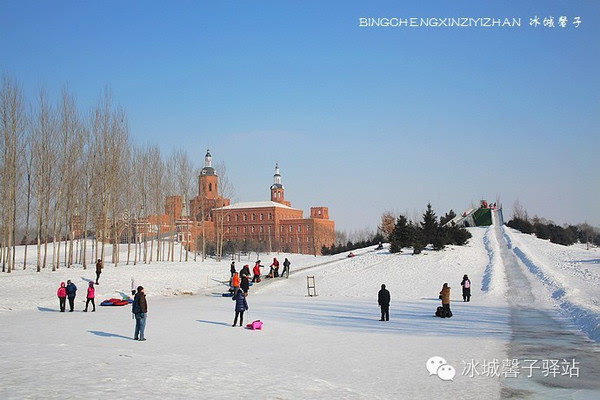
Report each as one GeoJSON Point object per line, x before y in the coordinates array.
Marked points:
{"type": "Point", "coordinates": [277, 189]}
{"type": "Point", "coordinates": [208, 180]}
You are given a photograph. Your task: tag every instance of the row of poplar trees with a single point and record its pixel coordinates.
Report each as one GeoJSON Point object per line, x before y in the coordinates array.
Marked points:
{"type": "Point", "coordinates": [58, 162]}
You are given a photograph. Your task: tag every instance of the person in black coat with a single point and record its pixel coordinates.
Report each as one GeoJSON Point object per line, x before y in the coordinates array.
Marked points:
{"type": "Point", "coordinates": [286, 268]}
{"type": "Point", "coordinates": [383, 300]}
{"type": "Point", "coordinates": [139, 308]}
{"type": "Point", "coordinates": [245, 279]}
{"type": "Point", "coordinates": [466, 288]}
{"type": "Point", "coordinates": [241, 305]}
{"type": "Point", "coordinates": [71, 292]}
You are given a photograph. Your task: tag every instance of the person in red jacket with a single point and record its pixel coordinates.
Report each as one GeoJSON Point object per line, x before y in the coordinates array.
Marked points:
{"type": "Point", "coordinates": [256, 271]}
{"type": "Point", "coordinates": [91, 294]}
{"type": "Point", "coordinates": [62, 296]}
{"type": "Point", "coordinates": [235, 283]}
{"type": "Point", "coordinates": [275, 268]}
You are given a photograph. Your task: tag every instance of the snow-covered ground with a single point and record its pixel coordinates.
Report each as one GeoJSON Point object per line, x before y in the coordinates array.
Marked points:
{"type": "Point", "coordinates": [329, 346]}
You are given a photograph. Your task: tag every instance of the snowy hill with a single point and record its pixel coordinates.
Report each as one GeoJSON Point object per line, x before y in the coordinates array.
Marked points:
{"type": "Point", "coordinates": [329, 346]}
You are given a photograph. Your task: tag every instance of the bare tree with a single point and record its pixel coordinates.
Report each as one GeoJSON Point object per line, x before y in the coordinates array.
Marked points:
{"type": "Point", "coordinates": [13, 120]}
{"type": "Point", "coordinates": [224, 190]}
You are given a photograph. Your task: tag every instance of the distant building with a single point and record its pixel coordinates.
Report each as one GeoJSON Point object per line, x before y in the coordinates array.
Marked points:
{"type": "Point", "coordinates": [271, 225]}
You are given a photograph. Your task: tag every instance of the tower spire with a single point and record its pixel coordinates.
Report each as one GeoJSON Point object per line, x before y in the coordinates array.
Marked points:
{"type": "Point", "coordinates": [207, 159]}
{"type": "Point", "coordinates": [277, 176]}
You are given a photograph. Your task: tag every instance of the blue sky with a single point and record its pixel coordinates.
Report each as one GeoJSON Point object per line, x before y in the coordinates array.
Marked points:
{"type": "Point", "coordinates": [360, 119]}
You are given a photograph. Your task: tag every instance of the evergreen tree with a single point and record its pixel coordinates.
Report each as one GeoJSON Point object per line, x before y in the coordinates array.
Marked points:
{"type": "Point", "coordinates": [417, 239]}
{"type": "Point", "coordinates": [401, 236]}
{"type": "Point", "coordinates": [429, 224]}
{"type": "Point", "coordinates": [448, 217]}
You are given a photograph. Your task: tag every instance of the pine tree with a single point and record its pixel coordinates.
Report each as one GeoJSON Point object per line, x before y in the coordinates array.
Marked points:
{"type": "Point", "coordinates": [401, 236]}
{"type": "Point", "coordinates": [448, 217]}
{"type": "Point", "coordinates": [418, 239]}
{"type": "Point", "coordinates": [430, 225]}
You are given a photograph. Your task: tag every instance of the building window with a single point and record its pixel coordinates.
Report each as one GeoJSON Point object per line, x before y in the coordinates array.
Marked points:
{"type": "Point", "coordinates": [262, 229]}
{"type": "Point", "coordinates": [253, 217]}
{"type": "Point", "coordinates": [299, 228]}
{"type": "Point", "coordinates": [228, 230]}
{"type": "Point", "coordinates": [210, 187]}
{"type": "Point", "coordinates": [270, 215]}
{"type": "Point", "coordinates": [269, 229]}
{"type": "Point", "coordinates": [252, 228]}
{"type": "Point", "coordinates": [229, 218]}
{"type": "Point", "coordinates": [245, 217]}
{"type": "Point", "coordinates": [281, 228]}
{"type": "Point", "coordinates": [291, 228]}
{"type": "Point", "coordinates": [262, 216]}
{"type": "Point", "coordinates": [237, 229]}
{"type": "Point", "coordinates": [237, 217]}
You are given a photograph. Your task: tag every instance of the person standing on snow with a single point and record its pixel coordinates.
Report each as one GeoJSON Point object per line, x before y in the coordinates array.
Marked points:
{"type": "Point", "coordinates": [89, 298]}
{"type": "Point", "coordinates": [232, 268]}
{"type": "Point", "coordinates": [62, 296]}
{"type": "Point", "coordinates": [241, 305]}
{"type": "Point", "coordinates": [71, 292]}
{"type": "Point", "coordinates": [466, 288]}
{"type": "Point", "coordinates": [139, 308]}
{"type": "Point", "coordinates": [445, 294]}
{"type": "Point", "coordinates": [275, 268]}
{"type": "Point", "coordinates": [256, 271]}
{"type": "Point", "coordinates": [99, 266]}
{"type": "Point", "coordinates": [286, 268]}
{"type": "Point", "coordinates": [245, 279]}
{"type": "Point", "coordinates": [383, 299]}
{"type": "Point", "coordinates": [235, 283]}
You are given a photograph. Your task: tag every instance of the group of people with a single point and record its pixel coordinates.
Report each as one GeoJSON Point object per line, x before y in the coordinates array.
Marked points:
{"type": "Point", "coordinates": [242, 281]}
{"type": "Point", "coordinates": [69, 291]}
{"type": "Point", "coordinates": [239, 283]}
{"type": "Point", "coordinates": [384, 298]}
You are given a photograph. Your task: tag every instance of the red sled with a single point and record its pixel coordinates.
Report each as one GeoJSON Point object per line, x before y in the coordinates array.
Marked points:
{"type": "Point", "coordinates": [256, 325]}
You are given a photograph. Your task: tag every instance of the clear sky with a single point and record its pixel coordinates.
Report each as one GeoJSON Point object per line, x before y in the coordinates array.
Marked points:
{"type": "Point", "coordinates": [359, 119]}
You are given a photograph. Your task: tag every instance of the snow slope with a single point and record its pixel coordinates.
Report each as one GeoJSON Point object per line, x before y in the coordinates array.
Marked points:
{"type": "Point", "coordinates": [329, 346]}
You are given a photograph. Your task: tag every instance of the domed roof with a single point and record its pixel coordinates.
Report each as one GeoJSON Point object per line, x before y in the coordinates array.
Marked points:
{"type": "Point", "coordinates": [208, 171]}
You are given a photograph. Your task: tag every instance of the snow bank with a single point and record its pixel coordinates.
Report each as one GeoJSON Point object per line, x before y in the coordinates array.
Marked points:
{"type": "Point", "coordinates": [570, 274]}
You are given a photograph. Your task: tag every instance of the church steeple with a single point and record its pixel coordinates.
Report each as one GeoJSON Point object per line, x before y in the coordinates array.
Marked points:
{"type": "Point", "coordinates": [277, 189]}
{"type": "Point", "coordinates": [207, 159]}
{"type": "Point", "coordinates": [277, 176]}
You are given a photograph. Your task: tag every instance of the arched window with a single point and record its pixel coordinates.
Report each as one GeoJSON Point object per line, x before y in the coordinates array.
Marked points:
{"type": "Point", "coordinates": [210, 187]}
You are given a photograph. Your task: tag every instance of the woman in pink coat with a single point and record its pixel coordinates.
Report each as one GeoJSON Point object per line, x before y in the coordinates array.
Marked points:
{"type": "Point", "coordinates": [91, 293]}
{"type": "Point", "coordinates": [62, 296]}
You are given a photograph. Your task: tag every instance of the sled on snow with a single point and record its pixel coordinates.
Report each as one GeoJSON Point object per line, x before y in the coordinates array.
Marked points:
{"type": "Point", "coordinates": [116, 302]}
{"type": "Point", "coordinates": [255, 325]}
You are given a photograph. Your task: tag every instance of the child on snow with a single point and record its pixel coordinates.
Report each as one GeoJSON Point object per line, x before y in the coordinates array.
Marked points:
{"type": "Point", "coordinates": [91, 294]}
{"type": "Point", "coordinates": [466, 288]}
{"type": "Point", "coordinates": [286, 268]}
{"type": "Point", "coordinates": [245, 279]}
{"type": "Point", "coordinates": [62, 296]}
{"type": "Point", "coordinates": [235, 283]}
{"type": "Point", "coordinates": [241, 305]}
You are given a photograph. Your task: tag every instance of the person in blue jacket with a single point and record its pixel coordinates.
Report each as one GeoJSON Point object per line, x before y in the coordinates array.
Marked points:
{"type": "Point", "coordinates": [71, 292]}
{"type": "Point", "coordinates": [241, 305]}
